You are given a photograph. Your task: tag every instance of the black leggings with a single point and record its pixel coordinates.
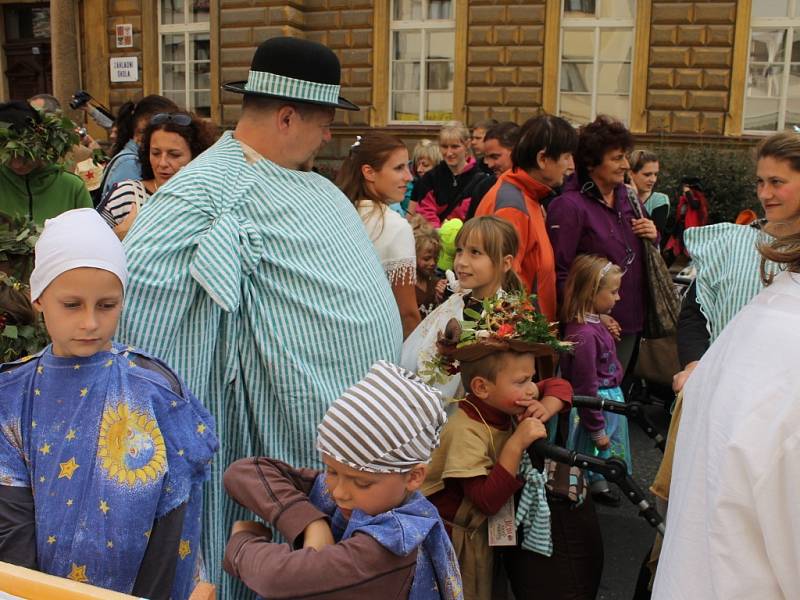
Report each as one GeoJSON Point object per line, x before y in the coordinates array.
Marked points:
{"type": "Point", "coordinates": [574, 570]}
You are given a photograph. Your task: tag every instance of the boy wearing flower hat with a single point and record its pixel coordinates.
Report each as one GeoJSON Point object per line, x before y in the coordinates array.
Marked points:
{"type": "Point", "coordinates": [103, 450]}
{"type": "Point", "coordinates": [361, 527]}
{"type": "Point", "coordinates": [482, 461]}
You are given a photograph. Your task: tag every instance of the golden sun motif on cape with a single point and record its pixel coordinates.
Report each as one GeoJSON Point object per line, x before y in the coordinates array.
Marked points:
{"type": "Point", "coordinates": [131, 447]}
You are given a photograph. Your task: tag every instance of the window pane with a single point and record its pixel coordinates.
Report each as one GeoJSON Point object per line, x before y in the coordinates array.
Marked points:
{"type": "Point", "coordinates": [178, 97]}
{"type": "Point", "coordinates": [440, 9]}
{"type": "Point", "coordinates": [405, 107]}
{"type": "Point", "coordinates": [201, 79]}
{"type": "Point", "coordinates": [201, 103]}
{"type": "Point", "coordinates": [765, 80]}
{"type": "Point", "coordinates": [792, 112]}
{"type": "Point", "coordinates": [771, 8]}
{"type": "Point", "coordinates": [173, 77]}
{"type": "Point", "coordinates": [767, 45]}
{"type": "Point", "coordinates": [796, 45]}
{"type": "Point", "coordinates": [576, 77]}
{"type": "Point", "coordinates": [440, 76]}
{"type": "Point", "coordinates": [405, 76]}
{"type": "Point", "coordinates": [578, 43]}
{"type": "Point", "coordinates": [614, 78]}
{"type": "Point", "coordinates": [579, 8]}
{"type": "Point", "coordinates": [408, 10]}
{"type": "Point", "coordinates": [441, 44]}
{"type": "Point", "coordinates": [407, 45]}
{"type": "Point", "coordinates": [620, 9]}
{"type": "Point", "coordinates": [440, 107]}
{"type": "Point", "coordinates": [201, 46]}
{"type": "Point", "coordinates": [576, 109]}
{"type": "Point", "coordinates": [172, 12]}
{"type": "Point", "coordinates": [761, 114]}
{"type": "Point", "coordinates": [198, 10]}
{"type": "Point", "coordinates": [173, 48]}
{"type": "Point", "coordinates": [615, 106]}
{"type": "Point", "coordinates": [616, 44]}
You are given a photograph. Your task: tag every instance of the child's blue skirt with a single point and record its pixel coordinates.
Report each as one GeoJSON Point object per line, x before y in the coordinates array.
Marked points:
{"type": "Point", "coordinates": [616, 429]}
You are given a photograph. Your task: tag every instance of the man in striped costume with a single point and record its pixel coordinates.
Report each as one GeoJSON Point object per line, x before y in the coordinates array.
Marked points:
{"type": "Point", "coordinates": [256, 280]}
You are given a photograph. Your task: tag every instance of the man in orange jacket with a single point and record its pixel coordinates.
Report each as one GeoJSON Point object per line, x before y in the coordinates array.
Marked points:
{"type": "Point", "coordinates": [540, 159]}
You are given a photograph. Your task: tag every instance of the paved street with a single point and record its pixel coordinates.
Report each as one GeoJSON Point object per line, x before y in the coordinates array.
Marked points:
{"type": "Point", "coordinates": [626, 536]}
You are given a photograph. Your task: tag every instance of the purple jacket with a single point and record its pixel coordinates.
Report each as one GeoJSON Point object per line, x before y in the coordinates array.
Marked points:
{"type": "Point", "coordinates": [579, 222]}
{"type": "Point", "coordinates": [592, 365]}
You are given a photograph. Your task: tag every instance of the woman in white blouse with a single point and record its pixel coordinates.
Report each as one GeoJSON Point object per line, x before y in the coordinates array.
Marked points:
{"type": "Point", "coordinates": [374, 175]}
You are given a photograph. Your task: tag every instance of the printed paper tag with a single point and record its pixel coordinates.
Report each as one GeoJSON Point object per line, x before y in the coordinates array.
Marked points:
{"type": "Point", "coordinates": [502, 529]}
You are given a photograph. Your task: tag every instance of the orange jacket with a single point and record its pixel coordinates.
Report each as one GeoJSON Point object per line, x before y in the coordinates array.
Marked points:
{"type": "Point", "coordinates": [515, 197]}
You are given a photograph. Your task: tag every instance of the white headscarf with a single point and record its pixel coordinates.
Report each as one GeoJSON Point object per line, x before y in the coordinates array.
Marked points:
{"type": "Point", "coordinates": [74, 239]}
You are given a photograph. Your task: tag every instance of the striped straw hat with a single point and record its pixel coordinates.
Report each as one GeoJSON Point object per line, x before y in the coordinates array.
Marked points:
{"type": "Point", "coordinates": [294, 69]}
{"type": "Point", "coordinates": [386, 423]}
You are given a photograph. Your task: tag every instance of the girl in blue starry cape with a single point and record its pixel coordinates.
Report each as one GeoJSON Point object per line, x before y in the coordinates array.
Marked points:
{"type": "Point", "coordinates": [103, 450]}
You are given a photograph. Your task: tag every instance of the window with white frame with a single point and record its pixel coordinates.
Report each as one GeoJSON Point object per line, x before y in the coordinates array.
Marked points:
{"type": "Point", "coordinates": [422, 56]}
{"type": "Point", "coordinates": [772, 92]}
{"type": "Point", "coordinates": [596, 50]}
{"type": "Point", "coordinates": [185, 53]}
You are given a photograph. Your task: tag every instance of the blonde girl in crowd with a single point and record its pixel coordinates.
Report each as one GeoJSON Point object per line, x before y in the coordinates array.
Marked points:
{"type": "Point", "coordinates": [374, 175]}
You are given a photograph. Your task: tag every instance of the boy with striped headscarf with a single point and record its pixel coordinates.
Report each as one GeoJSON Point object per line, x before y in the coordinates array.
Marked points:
{"type": "Point", "coordinates": [361, 527]}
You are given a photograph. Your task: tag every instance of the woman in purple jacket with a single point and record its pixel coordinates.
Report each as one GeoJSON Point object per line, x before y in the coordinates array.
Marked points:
{"type": "Point", "coordinates": [594, 216]}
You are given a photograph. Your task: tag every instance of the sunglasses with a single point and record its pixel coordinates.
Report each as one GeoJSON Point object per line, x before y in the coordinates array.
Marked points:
{"type": "Point", "coordinates": [179, 118]}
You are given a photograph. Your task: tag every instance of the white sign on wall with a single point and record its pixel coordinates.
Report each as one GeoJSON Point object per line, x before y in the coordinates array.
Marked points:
{"type": "Point", "coordinates": [124, 68]}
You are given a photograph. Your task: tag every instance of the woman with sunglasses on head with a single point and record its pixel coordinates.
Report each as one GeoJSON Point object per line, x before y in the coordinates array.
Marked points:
{"type": "Point", "coordinates": [170, 141]}
{"type": "Point", "coordinates": [594, 215]}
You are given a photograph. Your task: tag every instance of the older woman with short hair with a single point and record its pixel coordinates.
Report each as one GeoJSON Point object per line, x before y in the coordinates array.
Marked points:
{"type": "Point", "coordinates": [593, 215]}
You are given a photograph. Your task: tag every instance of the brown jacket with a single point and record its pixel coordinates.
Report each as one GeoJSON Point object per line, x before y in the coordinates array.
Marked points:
{"type": "Point", "coordinates": [358, 567]}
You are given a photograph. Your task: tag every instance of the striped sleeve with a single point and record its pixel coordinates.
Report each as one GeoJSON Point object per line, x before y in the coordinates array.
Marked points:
{"type": "Point", "coordinates": [117, 203]}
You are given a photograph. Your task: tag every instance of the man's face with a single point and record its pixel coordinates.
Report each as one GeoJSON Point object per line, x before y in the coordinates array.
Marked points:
{"type": "Point", "coordinates": [476, 140]}
{"type": "Point", "coordinates": [310, 133]}
{"type": "Point", "coordinates": [21, 166]}
{"type": "Point", "coordinates": [496, 157]}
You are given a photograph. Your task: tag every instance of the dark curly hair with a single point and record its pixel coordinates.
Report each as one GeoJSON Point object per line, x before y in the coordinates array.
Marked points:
{"type": "Point", "coordinates": [131, 112]}
{"type": "Point", "coordinates": [199, 135]}
{"type": "Point", "coordinates": [596, 139]}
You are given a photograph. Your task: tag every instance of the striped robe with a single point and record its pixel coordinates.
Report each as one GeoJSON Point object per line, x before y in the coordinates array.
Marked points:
{"type": "Point", "coordinates": [260, 287]}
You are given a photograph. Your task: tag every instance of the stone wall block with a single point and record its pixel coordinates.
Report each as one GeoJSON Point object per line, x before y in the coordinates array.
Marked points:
{"type": "Point", "coordinates": [530, 76]}
{"type": "Point", "coordinates": [235, 36]}
{"type": "Point", "coordinates": [479, 76]}
{"type": "Point", "coordinates": [488, 56]}
{"type": "Point", "coordinates": [506, 35]}
{"type": "Point", "coordinates": [525, 55]}
{"type": "Point", "coordinates": [688, 79]}
{"type": "Point", "coordinates": [711, 57]}
{"type": "Point", "coordinates": [134, 20]}
{"type": "Point", "coordinates": [327, 20]}
{"type": "Point", "coordinates": [664, 35]}
{"type": "Point", "coordinates": [531, 35]}
{"type": "Point", "coordinates": [677, 13]}
{"type": "Point", "coordinates": [702, 100]}
{"type": "Point", "coordinates": [288, 15]}
{"type": "Point", "coordinates": [477, 113]}
{"type": "Point", "coordinates": [685, 122]}
{"type": "Point", "coordinates": [716, 12]}
{"type": "Point", "coordinates": [527, 112]}
{"type": "Point", "coordinates": [480, 35]}
{"type": "Point", "coordinates": [339, 38]}
{"type": "Point", "coordinates": [263, 33]}
{"type": "Point", "coordinates": [125, 7]}
{"type": "Point", "coordinates": [235, 57]}
{"type": "Point", "coordinates": [691, 35]}
{"type": "Point", "coordinates": [666, 99]}
{"type": "Point", "coordinates": [716, 79]}
{"type": "Point", "coordinates": [361, 76]}
{"type": "Point", "coordinates": [361, 38]}
{"type": "Point", "coordinates": [358, 95]}
{"type": "Point", "coordinates": [484, 95]}
{"type": "Point", "coordinates": [486, 15]}
{"type": "Point", "coordinates": [243, 16]}
{"type": "Point", "coordinates": [504, 76]}
{"type": "Point", "coordinates": [320, 37]}
{"type": "Point", "coordinates": [658, 121]}
{"type": "Point", "coordinates": [523, 96]}
{"type": "Point", "coordinates": [503, 113]}
{"type": "Point", "coordinates": [662, 78]}
{"type": "Point", "coordinates": [669, 57]}
{"type": "Point", "coordinates": [720, 35]}
{"type": "Point", "coordinates": [712, 123]}
{"type": "Point", "coordinates": [361, 57]}
{"type": "Point", "coordinates": [355, 19]}
{"type": "Point", "coordinates": [525, 14]}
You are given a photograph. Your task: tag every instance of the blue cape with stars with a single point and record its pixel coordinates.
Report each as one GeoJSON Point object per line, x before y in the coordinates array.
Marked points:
{"type": "Point", "coordinates": [108, 444]}
{"type": "Point", "coordinates": [413, 525]}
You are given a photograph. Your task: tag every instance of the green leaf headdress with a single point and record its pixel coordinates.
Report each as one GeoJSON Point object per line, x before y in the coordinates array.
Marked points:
{"type": "Point", "coordinates": [34, 135]}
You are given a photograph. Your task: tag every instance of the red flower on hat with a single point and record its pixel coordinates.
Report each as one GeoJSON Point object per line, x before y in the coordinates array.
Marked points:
{"type": "Point", "coordinates": [505, 330]}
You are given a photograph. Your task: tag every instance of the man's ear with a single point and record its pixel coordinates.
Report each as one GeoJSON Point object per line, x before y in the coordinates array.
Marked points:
{"type": "Point", "coordinates": [480, 387]}
{"type": "Point", "coordinates": [416, 477]}
{"type": "Point", "coordinates": [368, 173]}
{"type": "Point", "coordinates": [284, 117]}
{"type": "Point", "coordinates": [541, 159]}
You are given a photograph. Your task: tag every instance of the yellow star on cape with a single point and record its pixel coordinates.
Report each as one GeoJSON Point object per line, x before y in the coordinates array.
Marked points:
{"type": "Point", "coordinates": [68, 468]}
{"type": "Point", "coordinates": [131, 363]}
{"type": "Point", "coordinates": [37, 392]}
{"type": "Point", "coordinates": [180, 452]}
{"type": "Point", "coordinates": [109, 544]}
{"type": "Point", "coordinates": [78, 573]}
{"type": "Point", "coordinates": [147, 533]}
{"type": "Point", "coordinates": [76, 367]}
{"type": "Point", "coordinates": [109, 362]}
{"type": "Point", "coordinates": [84, 391]}
{"type": "Point", "coordinates": [33, 424]}
{"type": "Point", "coordinates": [51, 539]}
{"type": "Point", "coordinates": [41, 479]}
{"type": "Point", "coordinates": [173, 404]}
{"type": "Point", "coordinates": [183, 549]}
{"type": "Point", "coordinates": [201, 428]}
{"type": "Point", "coordinates": [70, 435]}
{"type": "Point", "coordinates": [40, 369]}
{"type": "Point", "coordinates": [45, 448]}
{"type": "Point", "coordinates": [104, 506]}
{"type": "Point", "coordinates": [69, 502]}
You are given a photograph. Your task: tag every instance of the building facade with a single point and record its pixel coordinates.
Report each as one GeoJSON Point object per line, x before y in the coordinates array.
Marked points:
{"type": "Point", "coordinates": [719, 71]}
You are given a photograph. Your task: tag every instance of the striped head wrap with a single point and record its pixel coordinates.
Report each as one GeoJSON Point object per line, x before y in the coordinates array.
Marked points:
{"type": "Point", "coordinates": [386, 423]}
